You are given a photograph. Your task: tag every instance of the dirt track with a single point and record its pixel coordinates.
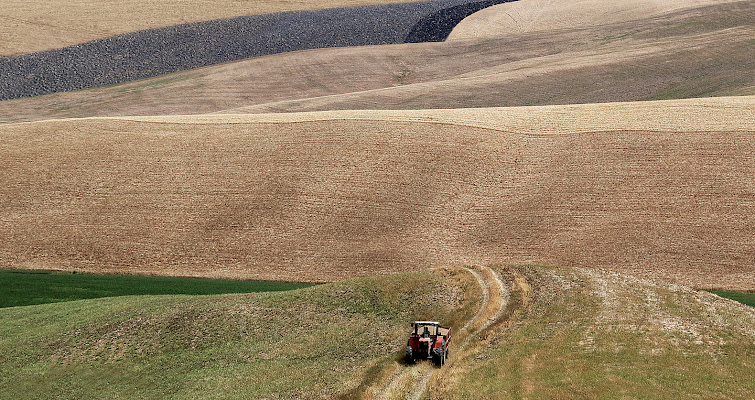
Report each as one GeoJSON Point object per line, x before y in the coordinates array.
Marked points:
{"type": "Point", "coordinates": [410, 381]}
{"type": "Point", "coordinates": [560, 319]}
{"type": "Point", "coordinates": [657, 189]}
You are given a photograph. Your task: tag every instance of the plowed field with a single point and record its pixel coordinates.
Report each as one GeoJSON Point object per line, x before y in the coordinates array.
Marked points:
{"type": "Point", "coordinates": [660, 189]}
{"type": "Point", "coordinates": [696, 52]}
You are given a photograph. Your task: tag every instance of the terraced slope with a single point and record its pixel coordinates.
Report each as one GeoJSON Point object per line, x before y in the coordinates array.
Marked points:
{"type": "Point", "coordinates": [661, 189]}
{"type": "Point", "coordinates": [692, 53]}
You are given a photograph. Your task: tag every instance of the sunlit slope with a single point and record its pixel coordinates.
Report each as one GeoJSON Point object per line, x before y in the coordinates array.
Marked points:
{"type": "Point", "coordinates": [29, 26]}
{"type": "Point", "coordinates": [551, 15]}
{"type": "Point", "coordinates": [589, 334]}
{"type": "Point", "coordinates": [694, 53]}
{"type": "Point", "coordinates": [697, 52]}
{"type": "Point", "coordinates": [564, 332]}
{"type": "Point", "coordinates": [659, 189]}
{"type": "Point", "coordinates": [713, 65]}
{"type": "Point", "coordinates": [319, 342]}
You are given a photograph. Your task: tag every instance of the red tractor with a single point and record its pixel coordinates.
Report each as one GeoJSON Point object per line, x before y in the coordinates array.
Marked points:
{"type": "Point", "coordinates": [428, 341]}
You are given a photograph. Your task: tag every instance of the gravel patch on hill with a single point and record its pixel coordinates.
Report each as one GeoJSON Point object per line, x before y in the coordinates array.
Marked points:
{"type": "Point", "coordinates": [153, 52]}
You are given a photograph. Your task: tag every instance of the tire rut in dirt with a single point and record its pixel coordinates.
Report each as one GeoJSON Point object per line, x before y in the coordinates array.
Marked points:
{"type": "Point", "coordinates": [484, 318]}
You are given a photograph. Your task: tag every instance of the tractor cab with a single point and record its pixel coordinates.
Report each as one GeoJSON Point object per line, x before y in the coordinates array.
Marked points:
{"type": "Point", "coordinates": [425, 328]}
{"type": "Point", "coordinates": [428, 340]}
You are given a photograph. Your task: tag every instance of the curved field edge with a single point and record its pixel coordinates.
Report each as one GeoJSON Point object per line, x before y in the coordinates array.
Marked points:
{"type": "Point", "coordinates": [159, 51]}
{"type": "Point", "coordinates": [586, 333]}
{"type": "Point", "coordinates": [687, 56]}
{"type": "Point", "coordinates": [701, 115]}
{"type": "Point", "coordinates": [28, 287]}
{"type": "Point", "coordinates": [747, 298]}
{"type": "Point", "coordinates": [308, 343]}
{"type": "Point", "coordinates": [545, 15]}
{"type": "Point", "coordinates": [29, 27]}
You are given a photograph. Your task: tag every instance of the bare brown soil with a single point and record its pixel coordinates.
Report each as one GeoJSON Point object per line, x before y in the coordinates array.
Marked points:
{"type": "Point", "coordinates": [659, 189]}
{"type": "Point", "coordinates": [691, 53]}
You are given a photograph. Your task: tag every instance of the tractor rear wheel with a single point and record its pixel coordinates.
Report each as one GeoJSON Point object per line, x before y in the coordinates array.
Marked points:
{"type": "Point", "coordinates": [438, 356]}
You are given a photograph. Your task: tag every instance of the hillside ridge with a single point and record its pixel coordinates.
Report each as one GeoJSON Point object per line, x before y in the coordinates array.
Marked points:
{"type": "Point", "coordinates": [665, 190]}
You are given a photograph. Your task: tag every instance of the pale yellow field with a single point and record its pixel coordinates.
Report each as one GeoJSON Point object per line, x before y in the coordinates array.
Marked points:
{"type": "Point", "coordinates": [551, 15]}
{"type": "Point", "coordinates": [599, 73]}
{"type": "Point", "coordinates": [659, 189]}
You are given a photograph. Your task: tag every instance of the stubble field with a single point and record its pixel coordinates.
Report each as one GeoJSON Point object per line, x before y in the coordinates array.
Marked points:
{"type": "Point", "coordinates": [698, 52]}
{"type": "Point", "coordinates": [659, 189]}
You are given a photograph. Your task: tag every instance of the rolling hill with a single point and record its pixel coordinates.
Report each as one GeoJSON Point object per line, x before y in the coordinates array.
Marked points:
{"type": "Point", "coordinates": [562, 332]}
{"type": "Point", "coordinates": [549, 15]}
{"type": "Point", "coordinates": [556, 182]}
{"type": "Point", "coordinates": [36, 26]}
{"type": "Point", "coordinates": [310, 343]}
{"type": "Point", "coordinates": [585, 333]}
{"type": "Point", "coordinates": [659, 189]}
{"type": "Point", "coordinates": [698, 52]}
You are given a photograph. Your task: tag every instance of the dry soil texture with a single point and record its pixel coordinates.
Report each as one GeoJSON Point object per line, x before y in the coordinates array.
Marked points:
{"type": "Point", "coordinates": [551, 15]}
{"type": "Point", "coordinates": [661, 189]}
{"type": "Point", "coordinates": [704, 51]}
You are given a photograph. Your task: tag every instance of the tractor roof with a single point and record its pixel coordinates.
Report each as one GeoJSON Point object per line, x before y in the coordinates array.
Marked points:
{"type": "Point", "coordinates": [427, 323]}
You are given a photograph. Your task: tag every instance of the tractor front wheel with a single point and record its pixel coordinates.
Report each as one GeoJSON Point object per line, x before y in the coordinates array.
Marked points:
{"type": "Point", "coordinates": [409, 355]}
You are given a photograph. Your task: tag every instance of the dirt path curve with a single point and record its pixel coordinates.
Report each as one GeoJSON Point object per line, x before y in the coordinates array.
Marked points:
{"type": "Point", "coordinates": [410, 382]}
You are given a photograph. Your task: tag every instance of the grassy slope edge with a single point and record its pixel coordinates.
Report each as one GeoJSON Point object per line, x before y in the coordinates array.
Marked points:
{"type": "Point", "coordinates": [27, 287]}
{"type": "Point", "coordinates": [307, 343]}
{"type": "Point", "coordinates": [584, 333]}
{"type": "Point", "coordinates": [568, 333]}
{"type": "Point", "coordinates": [742, 297]}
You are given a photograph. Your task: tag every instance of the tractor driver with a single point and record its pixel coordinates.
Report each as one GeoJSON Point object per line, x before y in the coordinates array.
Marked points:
{"type": "Point", "coordinates": [426, 333]}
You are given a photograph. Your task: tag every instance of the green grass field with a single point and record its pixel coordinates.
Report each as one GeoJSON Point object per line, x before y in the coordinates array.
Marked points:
{"type": "Point", "coordinates": [742, 297]}
{"type": "Point", "coordinates": [568, 333]}
{"type": "Point", "coordinates": [24, 287]}
{"type": "Point", "coordinates": [317, 342]}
